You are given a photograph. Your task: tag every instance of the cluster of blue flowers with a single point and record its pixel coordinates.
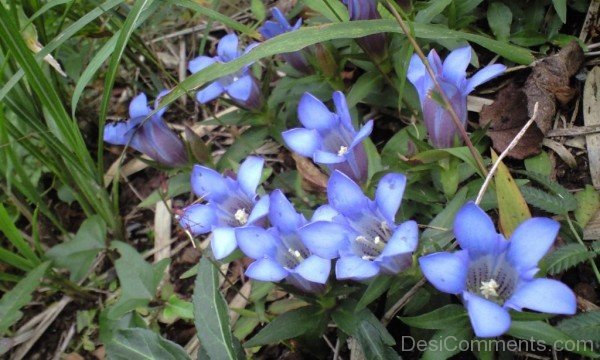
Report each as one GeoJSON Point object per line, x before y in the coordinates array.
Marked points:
{"type": "Point", "coordinates": [356, 234]}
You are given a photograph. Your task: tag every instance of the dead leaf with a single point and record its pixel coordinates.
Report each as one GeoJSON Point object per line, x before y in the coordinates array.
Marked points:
{"type": "Point", "coordinates": [591, 117]}
{"type": "Point", "coordinates": [311, 174]}
{"type": "Point", "coordinates": [547, 84]}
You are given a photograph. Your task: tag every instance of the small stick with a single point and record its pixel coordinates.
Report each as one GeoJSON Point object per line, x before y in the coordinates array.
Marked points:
{"type": "Point", "coordinates": [510, 146]}
{"type": "Point", "coordinates": [389, 315]}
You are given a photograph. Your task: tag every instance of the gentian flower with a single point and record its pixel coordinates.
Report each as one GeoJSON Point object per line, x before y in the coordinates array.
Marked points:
{"type": "Point", "coordinates": [364, 234]}
{"type": "Point", "coordinates": [279, 252]}
{"type": "Point", "coordinates": [494, 275]}
{"type": "Point", "coordinates": [242, 87]}
{"type": "Point", "coordinates": [374, 45]}
{"type": "Point", "coordinates": [273, 28]}
{"type": "Point", "coordinates": [329, 138]}
{"type": "Point", "coordinates": [451, 75]}
{"type": "Point", "coordinates": [232, 203]}
{"type": "Point", "coordinates": [151, 137]}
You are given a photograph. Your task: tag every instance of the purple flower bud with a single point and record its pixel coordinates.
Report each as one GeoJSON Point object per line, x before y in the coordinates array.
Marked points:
{"type": "Point", "coordinates": [242, 87]}
{"type": "Point", "coordinates": [451, 75]}
{"type": "Point", "coordinates": [493, 275]}
{"type": "Point", "coordinates": [330, 138]}
{"type": "Point", "coordinates": [374, 45]}
{"type": "Point", "coordinates": [148, 136]}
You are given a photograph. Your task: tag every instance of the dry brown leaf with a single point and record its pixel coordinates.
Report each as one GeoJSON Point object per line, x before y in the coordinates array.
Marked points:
{"type": "Point", "coordinates": [311, 174]}
{"type": "Point", "coordinates": [547, 84]}
{"type": "Point", "coordinates": [591, 117]}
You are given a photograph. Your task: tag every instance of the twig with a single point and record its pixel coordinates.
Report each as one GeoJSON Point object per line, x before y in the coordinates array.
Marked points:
{"type": "Point", "coordinates": [336, 352]}
{"type": "Point", "coordinates": [389, 315]}
{"type": "Point", "coordinates": [449, 107]}
{"type": "Point", "coordinates": [510, 146]}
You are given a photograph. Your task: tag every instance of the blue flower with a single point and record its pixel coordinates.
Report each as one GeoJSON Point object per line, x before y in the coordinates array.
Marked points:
{"type": "Point", "coordinates": [279, 252]}
{"type": "Point", "coordinates": [231, 204]}
{"type": "Point", "coordinates": [270, 29]}
{"type": "Point", "coordinates": [374, 45]}
{"type": "Point", "coordinates": [151, 137]}
{"type": "Point", "coordinates": [242, 87]}
{"type": "Point", "coordinates": [494, 275]}
{"type": "Point", "coordinates": [363, 234]}
{"type": "Point", "coordinates": [329, 138]}
{"type": "Point", "coordinates": [451, 75]}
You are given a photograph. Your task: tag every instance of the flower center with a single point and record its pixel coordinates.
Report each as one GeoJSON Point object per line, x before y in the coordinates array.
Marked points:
{"type": "Point", "coordinates": [293, 257]}
{"type": "Point", "coordinates": [492, 278]}
{"type": "Point", "coordinates": [342, 151]}
{"type": "Point", "coordinates": [489, 288]}
{"type": "Point", "coordinates": [373, 240]}
{"type": "Point", "coordinates": [235, 78]}
{"type": "Point", "coordinates": [241, 215]}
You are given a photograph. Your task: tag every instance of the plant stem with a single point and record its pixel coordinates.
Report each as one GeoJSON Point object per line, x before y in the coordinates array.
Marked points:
{"type": "Point", "coordinates": [592, 263]}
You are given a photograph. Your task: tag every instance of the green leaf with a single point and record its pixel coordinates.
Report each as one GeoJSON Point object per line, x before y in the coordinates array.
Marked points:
{"type": "Point", "coordinates": [511, 205]}
{"type": "Point", "coordinates": [19, 296]}
{"type": "Point", "coordinates": [177, 185]}
{"type": "Point", "coordinates": [211, 314]}
{"type": "Point", "coordinates": [561, 9]}
{"type": "Point", "coordinates": [433, 9]}
{"type": "Point", "coordinates": [584, 326]}
{"type": "Point", "coordinates": [434, 238]}
{"type": "Point", "coordinates": [588, 202]}
{"type": "Point", "coordinates": [176, 308]}
{"type": "Point", "coordinates": [8, 228]}
{"type": "Point", "coordinates": [376, 288]}
{"type": "Point", "coordinates": [366, 84]}
{"type": "Point", "coordinates": [540, 164]}
{"type": "Point", "coordinates": [544, 201]}
{"type": "Point", "coordinates": [445, 317]}
{"type": "Point", "coordinates": [258, 10]}
{"type": "Point", "coordinates": [79, 253]}
{"type": "Point", "coordinates": [372, 343]}
{"type": "Point", "coordinates": [142, 344]}
{"type": "Point", "coordinates": [216, 16]}
{"type": "Point", "coordinates": [566, 257]}
{"type": "Point", "coordinates": [138, 280]}
{"type": "Point", "coordinates": [569, 201]}
{"type": "Point", "coordinates": [246, 143]}
{"type": "Point", "coordinates": [332, 10]}
{"type": "Point", "coordinates": [445, 343]}
{"type": "Point", "coordinates": [543, 332]}
{"type": "Point", "coordinates": [499, 18]}
{"type": "Point", "coordinates": [292, 324]}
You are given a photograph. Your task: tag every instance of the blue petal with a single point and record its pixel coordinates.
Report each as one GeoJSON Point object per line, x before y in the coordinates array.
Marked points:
{"type": "Point", "coordinates": [211, 92]}
{"type": "Point", "coordinates": [138, 107]}
{"type": "Point", "coordinates": [435, 62]}
{"type": "Point", "coordinates": [355, 268]}
{"type": "Point", "coordinates": [530, 241]}
{"type": "Point", "coordinates": [241, 89]}
{"type": "Point", "coordinates": [455, 65]}
{"type": "Point", "coordinates": [223, 242]}
{"type": "Point", "coordinates": [256, 242]}
{"type": "Point", "coordinates": [345, 196]}
{"type": "Point", "coordinates": [198, 219]}
{"type": "Point", "coordinates": [362, 134]}
{"type": "Point", "coordinates": [315, 269]}
{"type": "Point", "coordinates": [303, 141]}
{"type": "Point", "coordinates": [209, 184]}
{"type": "Point", "coordinates": [327, 158]}
{"type": "Point", "coordinates": [313, 114]}
{"type": "Point", "coordinates": [282, 213]}
{"type": "Point", "coordinates": [487, 73]}
{"type": "Point", "coordinates": [446, 271]}
{"type": "Point", "coordinates": [544, 295]}
{"type": "Point", "coordinates": [280, 18]}
{"type": "Point", "coordinates": [341, 108]}
{"type": "Point", "coordinates": [487, 318]}
{"type": "Point", "coordinates": [417, 74]}
{"type": "Point", "coordinates": [388, 195]}
{"type": "Point", "coordinates": [227, 49]}
{"type": "Point", "coordinates": [260, 210]}
{"type": "Point", "coordinates": [270, 29]}
{"type": "Point", "coordinates": [324, 213]}
{"type": "Point", "coordinates": [119, 133]}
{"type": "Point", "coordinates": [404, 239]}
{"type": "Point", "coordinates": [200, 63]}
{"type": "Point", "coordinates": [266, 269]}
{"type": "Point", "coordinates": [475, 230]}
{"type": "Point", "coordinates": [249, 174]}
{"type": "Point", "coordinates": [162, 110]}
{"type": "Point", "coordinates": [324, 238]}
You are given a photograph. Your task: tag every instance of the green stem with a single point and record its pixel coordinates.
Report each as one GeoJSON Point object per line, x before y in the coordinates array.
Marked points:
{"type": "Point", "coordinates": [592, 263]}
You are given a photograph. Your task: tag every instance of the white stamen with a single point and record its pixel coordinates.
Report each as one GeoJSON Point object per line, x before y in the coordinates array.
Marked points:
{"type": "Point", "coordinates": [489, 288]}
{"type": "Point", "coordinates": [296, 254]}
{"type": "Point", "coordinates": [368, 257]}
{"type": "Point", "coordinates": [377, 240]}
{"type": "Point", "coordinates": [241, 216]}
{"type": "Point", "coordinates": [343, 150]}
{"type": "Point", "coordinates": [235, 78]}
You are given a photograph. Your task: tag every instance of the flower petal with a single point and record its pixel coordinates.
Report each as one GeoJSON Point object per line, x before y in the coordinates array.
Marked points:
{"type": "Point", "coordinates": [341, 108]}
{"type": "Point", "coordinates": [315, 269]}
{"type": "Point", "coordinates": [544, 295]}
{"type": "Point", "coordinates": [455, 65]}
{"type": "Point", "coordinates": [435, 62]}
{"type": "Point", "coordinates": [313, 114]}
{"type": "Point", "coordinates": [487, 318]}
{"type": "Point", "coordinates": [119, 133]}
{"type": "Point", "coordinates": [227, 49]}
{"type": "Point", "coordinates": [270, 29]}
{"type": "Point", "coordinates": [138, 107]}
{"type": "Point", "coordinates": [388, 195]}
{"type": "Point", "coordinates": [355, 268]}
{"type": "Point", "coordinates": [417, 74]}
{"type": "Point", "coordinates": [260, 210]}
{"type": "Point", "coordinates": [256, 242]}
{"type": "Point", "coordinates": [324, 213]}
{"type": "Point", "coordinates": [200, 63]}
{"type": "Point", "coordinates": [446, 271]}
{"type": "Point", "coordinates": [404, 239]}
{"type": "Point", "coordinates": [210, 92]}
{"type": "Point", "coordinates": [280, 18]}
{"type": "Point", "coordinates": [198, 219]}
{"type": "Point", "coordinates": [303, 141]}
{"type": "Point", "coordinates": [362, 134]}
{"type": "Point", "coordinates": [487, 73]}
{"type": "Point", "coordinates": [475, 230]}
{"type": "Point", "coordinates": [324, 238]}
{"type": "Point", "coordinates": [209, 184]}
{"type": "Point", "coordinates": [266, 269]}
{"type": "Point", "coordinates": [223, 242]}
{"type": "Point", "coordinates": [249, 174]}
{"type": "Point", "coordinates": [282, 213]}
{"type": "Point", "coordinates": [345, 195]}
{"type": "Point", "coordinates": [530, 241]}
{"type": "Point", "coordinates": [327, 158]}
{"type": "Point", "coordinates": [241, 89]}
